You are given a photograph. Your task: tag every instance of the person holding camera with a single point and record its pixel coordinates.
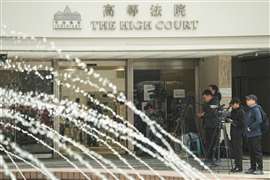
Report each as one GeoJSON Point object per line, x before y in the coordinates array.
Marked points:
{"type": "Point", "coordinates": [237, 129]}
{"type": "Point", "coordinates": [209, 116]}
{"type": "Point", "coordinates": [253, 122]}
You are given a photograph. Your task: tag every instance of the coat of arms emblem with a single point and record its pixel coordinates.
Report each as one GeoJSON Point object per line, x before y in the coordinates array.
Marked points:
{"type": "Point", "coordinates": [67, 20]}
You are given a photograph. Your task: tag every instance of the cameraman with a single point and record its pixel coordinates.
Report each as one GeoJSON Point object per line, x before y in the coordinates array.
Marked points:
{"type": "Point", "coordinates": [210, 122]}
{"type": "Point", "coordinates": [237, 130]}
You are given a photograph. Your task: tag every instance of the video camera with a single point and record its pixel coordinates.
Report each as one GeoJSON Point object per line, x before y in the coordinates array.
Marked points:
{"type": "Point", "coordinates": [222, 113]}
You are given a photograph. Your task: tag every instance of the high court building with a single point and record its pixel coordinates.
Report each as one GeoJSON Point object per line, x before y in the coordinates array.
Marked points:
{"type": "Point", "coordinates": [158, 52]}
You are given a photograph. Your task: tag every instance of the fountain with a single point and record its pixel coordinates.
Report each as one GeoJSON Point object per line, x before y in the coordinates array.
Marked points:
{"type": "Point", "coordinates": [89, 121]}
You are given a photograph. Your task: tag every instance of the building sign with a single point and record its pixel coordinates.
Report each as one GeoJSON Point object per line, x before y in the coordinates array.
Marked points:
{"type": "Point", "coordinates": [67, 20]}
{"type": "Point", "coordinates": [179, 93]}
{"type": "Point", "coordinates": [226, 92]}
{"type": "Point", "coordinates": [178, 22]}
{"type": "Point", "coordinates": [136, 18]}
{"type": "Point", "coordinates": [148, 91]}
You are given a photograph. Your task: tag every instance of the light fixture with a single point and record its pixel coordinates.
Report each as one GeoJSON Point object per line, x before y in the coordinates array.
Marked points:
{"type": "Point", "coordinates": [70, 69]}
{"type": "Point", "coordinates": [120, 69]}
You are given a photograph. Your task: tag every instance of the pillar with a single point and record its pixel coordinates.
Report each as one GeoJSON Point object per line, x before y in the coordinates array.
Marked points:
{"type": "Point", "coordinates": [56, 92]}
{"type": "Point", "coordinates": [217, 70]}
{"type": "Point", "coordinates": [130, 95]}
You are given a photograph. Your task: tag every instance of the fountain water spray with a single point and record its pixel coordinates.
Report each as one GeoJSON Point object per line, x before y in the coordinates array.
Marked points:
{"type": "Point", "coordinates": [28, 100]}
{"type": "Point", "coordinates": [155, 128]}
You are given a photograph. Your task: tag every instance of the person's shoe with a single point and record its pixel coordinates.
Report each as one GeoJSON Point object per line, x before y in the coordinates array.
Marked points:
{"type": "Point", "coordinates": [236, 170]}
{"type": "Point", "coordinates": [213, 164]}
{"type": "Point", "coordinates": [250, 171]}
{"type": "Point", "coordinates": [258, 172]}
{"type": "Point", "coordinates": [207, 161]}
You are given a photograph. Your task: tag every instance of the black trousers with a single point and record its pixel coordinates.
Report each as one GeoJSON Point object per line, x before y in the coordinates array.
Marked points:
{"type": "Point", "coordinates": [237, 147]}
{"type": "Point", "coordinates": [210, 142]}
{"type": "Point", "coordinates": [255, 152]}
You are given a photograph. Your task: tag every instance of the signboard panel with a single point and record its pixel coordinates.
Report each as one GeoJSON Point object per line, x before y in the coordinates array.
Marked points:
{"type": "Point", "coordinates": [147, 91]}
{"type": "Point", "coordinates": [179, 93]}
{"type": "Point", "coordinates": [135, 18]}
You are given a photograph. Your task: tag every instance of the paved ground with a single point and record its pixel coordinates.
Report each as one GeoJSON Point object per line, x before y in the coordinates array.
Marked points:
{"type": "Point", "coordinates": [222, 169]}
{"type": "Point", "coordinates": [73, 174]}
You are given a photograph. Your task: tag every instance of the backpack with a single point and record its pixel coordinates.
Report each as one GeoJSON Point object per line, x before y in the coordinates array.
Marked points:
{"type": "Point", "coordinates": [265, 121]}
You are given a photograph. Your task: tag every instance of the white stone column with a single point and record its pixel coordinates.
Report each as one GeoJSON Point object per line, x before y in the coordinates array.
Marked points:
{"type": "Point", "coordinates": [225, 78]}
{"type": "Point", "coordinates": [216, 70]}
{"type": "Point", "coordinates": [130, 94]}
{"type": "Point", "coordinates": [56, 92]}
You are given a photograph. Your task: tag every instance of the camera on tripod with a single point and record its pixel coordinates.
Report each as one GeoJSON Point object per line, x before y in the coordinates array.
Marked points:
{"type": "Point", "coordinates": [223, 117]}
{"type": "Point", "coordinates": [223, 113]}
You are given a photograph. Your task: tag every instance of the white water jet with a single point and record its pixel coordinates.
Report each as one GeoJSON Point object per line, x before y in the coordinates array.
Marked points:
{"type": "Point", "coordinates": [153, 126]}
{"type": "Point", "coordinates": [6, 142]}
{"type": "Point", "coordinates": [12, 160]}
{"type": "Point", "coordinates": [56, 138]}
{"type": "Point", "coordinates": [6, 169]}
{"type": "Point", "coordinates": [30, 101]}
{"type": "Point", "coordinates": [40, 141]}
{"type": "Point", "coordinates": [23, 160]}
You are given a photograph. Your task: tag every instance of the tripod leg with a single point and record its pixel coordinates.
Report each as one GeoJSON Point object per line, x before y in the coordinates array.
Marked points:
{"type": "Point", "coordinates": [227, 148]}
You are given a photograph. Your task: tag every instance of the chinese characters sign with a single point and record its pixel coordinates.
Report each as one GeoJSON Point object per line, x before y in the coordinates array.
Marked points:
{"type": "Point", "coordinates": [137, 17]}
{"type": "Point", "coordinates": [155, 10]}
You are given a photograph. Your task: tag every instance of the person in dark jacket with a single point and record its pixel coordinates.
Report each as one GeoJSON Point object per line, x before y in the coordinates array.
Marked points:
{"type": "Point", "coordinates": [209, 116]}
{"type": "Point", "coordinates": [237, 130]}
{"type": "Point", "coordinates": [253, 122]}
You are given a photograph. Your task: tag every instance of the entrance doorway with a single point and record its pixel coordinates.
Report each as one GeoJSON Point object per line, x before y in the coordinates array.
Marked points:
{"type": "Point", "coordinates": [115, 71]}
{"type": "Point", "coordinates": [251, 76]}
{"type": "Point", "coordinates": [168, 88]}
{"type": "Point", "coordinates": [26, 82]}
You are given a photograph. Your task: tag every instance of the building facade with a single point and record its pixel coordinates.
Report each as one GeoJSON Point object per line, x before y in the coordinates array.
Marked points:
{"type": "Point", "coordinates": [141, 46]}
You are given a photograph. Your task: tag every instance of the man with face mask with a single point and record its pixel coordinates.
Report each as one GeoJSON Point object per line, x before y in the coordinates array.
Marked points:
{"type": "Point", "coordinates": [209, 116]}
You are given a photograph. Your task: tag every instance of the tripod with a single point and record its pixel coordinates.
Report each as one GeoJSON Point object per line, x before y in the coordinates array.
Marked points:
{"type": "Point", "coordinates": [186, 127]}
{"type": "Point", "coordinates": [217, 145]}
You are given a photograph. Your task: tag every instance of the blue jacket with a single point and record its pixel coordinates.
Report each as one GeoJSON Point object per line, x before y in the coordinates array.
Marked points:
{"type": "Point", "coordinates": [253, 121]}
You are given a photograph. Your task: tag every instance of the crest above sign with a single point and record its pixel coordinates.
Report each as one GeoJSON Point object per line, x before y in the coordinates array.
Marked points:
{"type": "Point", "coordinates": [67, 20]}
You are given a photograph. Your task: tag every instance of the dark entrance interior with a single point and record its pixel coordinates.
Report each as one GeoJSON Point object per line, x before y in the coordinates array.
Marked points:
{"type": "Point", "coordinates": [170, 92]}
{"type": "Point", "coordinates": [251, 75]}
{"type": "Point", "coordinates": [27, 82]}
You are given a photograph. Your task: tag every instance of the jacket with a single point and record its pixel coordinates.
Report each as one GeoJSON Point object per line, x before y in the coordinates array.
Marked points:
{"type": "Point", "coordinates": [253, 122]}
{"type": "Point", "coordinates": [210, 118]}
{"type": "Point", "coordinates": [238, 116]}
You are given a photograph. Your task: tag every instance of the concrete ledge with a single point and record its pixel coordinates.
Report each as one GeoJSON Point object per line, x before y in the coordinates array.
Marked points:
{"type": "Point", "coordinates": [72, 174]}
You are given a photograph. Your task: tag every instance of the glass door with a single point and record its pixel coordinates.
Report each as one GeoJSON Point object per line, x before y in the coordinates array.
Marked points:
{"type": "Point", "coordinates": [115, 71]}
{"type": "Point", "coordinates": [165, 90]}
{"type": "Point", "coordinates": [26, 82]}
